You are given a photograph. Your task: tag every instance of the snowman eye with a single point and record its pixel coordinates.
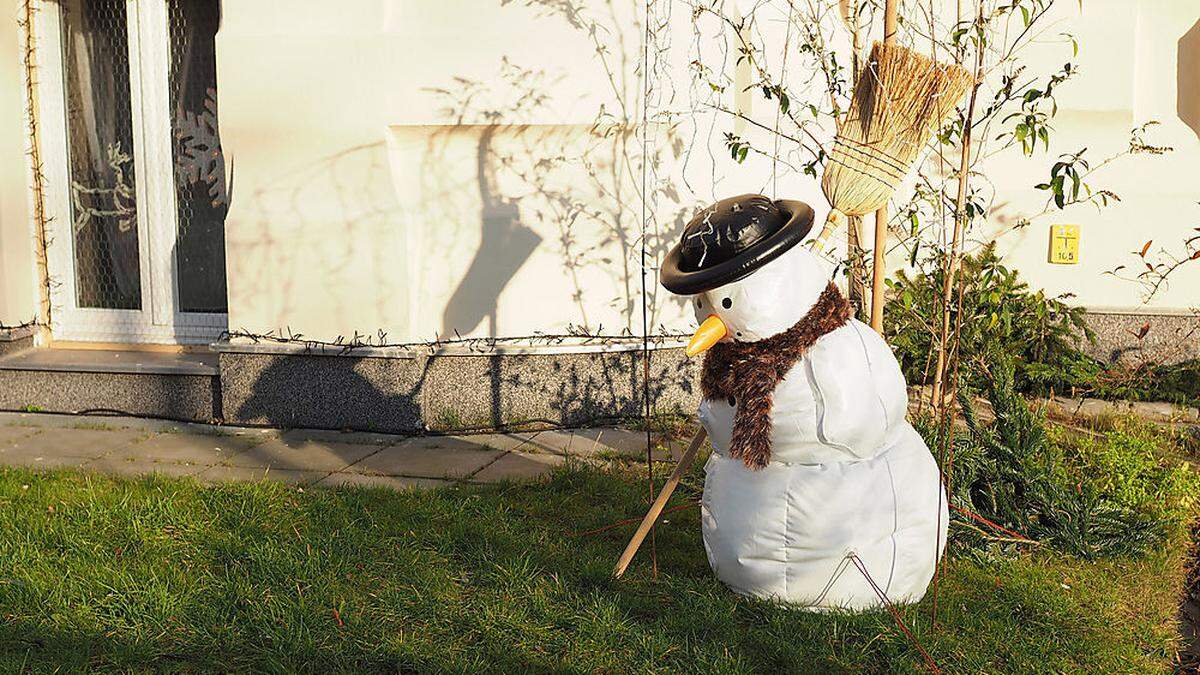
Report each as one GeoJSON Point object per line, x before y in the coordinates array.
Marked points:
{"type": "Point", "coordinates": [699, 302]}
{"type": "Point", "coordinates": [727, 303]}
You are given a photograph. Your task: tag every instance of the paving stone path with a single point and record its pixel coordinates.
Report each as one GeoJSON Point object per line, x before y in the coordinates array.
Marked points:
{"type": "Point", "coordinates": [131, 446]}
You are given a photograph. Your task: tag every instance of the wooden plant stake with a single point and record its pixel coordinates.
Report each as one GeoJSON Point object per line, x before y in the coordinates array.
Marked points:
{"type": "Point", "coordinates": [685, 462]}
{"type": "Point", "coordinates": [879, 265]}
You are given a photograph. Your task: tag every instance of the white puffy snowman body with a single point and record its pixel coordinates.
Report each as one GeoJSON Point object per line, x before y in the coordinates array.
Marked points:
{"type": "Point", "coordinates": [848, 475]}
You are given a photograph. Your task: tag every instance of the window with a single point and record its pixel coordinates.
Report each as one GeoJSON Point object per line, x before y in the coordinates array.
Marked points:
{"type": "Point", "coordinates": [135, 175]}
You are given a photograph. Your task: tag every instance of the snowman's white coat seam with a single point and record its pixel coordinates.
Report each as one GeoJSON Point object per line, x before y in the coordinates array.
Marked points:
{"type": "Point", "coordinates": [887, 462]}
{"type": "Point", "coordinates": [883, 409]}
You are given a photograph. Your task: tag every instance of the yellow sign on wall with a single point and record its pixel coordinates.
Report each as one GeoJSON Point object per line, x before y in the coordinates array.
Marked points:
{"type": "Point", "coordinates": [1064, 244]}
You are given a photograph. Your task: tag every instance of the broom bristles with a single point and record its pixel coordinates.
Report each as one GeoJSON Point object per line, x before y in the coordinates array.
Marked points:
{"type": "Point", "coordinates": [901, 98]}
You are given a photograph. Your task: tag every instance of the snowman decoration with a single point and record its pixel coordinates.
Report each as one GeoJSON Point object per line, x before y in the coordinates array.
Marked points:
{"type": "Point", "coordinates": [813, 461]}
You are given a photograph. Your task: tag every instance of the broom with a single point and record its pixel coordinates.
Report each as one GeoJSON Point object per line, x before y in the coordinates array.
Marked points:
{"type": "Point", "coordinates": [900, 99]}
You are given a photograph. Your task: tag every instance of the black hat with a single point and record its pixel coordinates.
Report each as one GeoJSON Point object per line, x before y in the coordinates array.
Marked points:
{"type": "Point", "coordinates": [731, 239]}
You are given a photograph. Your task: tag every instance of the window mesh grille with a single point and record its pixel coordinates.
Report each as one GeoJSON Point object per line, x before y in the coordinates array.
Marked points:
{"type": "Point", "coordinates": [200, 193]}
{"type": "Point", "coordinates": [100, 154]}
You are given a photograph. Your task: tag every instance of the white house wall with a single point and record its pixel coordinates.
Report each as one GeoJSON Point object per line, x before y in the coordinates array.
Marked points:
{"type": "Point", "coordinates": [360, 201]}
{"type": "Point", "coordinates": [528, 228]}
{"type": "Point", "coordinates": [1130, 60]}
{"type": "Point", "coordinates": [323, 107]}
{"type": "Point", "coordinates": [17, 295]}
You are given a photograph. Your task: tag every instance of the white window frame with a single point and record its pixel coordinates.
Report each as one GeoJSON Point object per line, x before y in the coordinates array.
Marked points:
{"type": "Point", "coordinates": [159, 320]}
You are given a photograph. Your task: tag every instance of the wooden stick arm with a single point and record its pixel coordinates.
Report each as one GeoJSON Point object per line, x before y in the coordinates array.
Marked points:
{"type": "Point", "coordinates": [685, 462]}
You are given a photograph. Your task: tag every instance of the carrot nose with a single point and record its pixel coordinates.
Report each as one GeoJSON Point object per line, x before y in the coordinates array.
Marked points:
{"type": "Point", "coordinates": [708, 334]}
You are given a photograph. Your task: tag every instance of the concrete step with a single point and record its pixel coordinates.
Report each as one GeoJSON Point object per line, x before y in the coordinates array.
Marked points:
{"type": "Point", "coordinates": [176, 386]}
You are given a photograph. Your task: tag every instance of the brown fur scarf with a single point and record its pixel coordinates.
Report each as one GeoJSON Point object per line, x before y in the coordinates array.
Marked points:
{"type": "Point", "coordinates": [748, 373]}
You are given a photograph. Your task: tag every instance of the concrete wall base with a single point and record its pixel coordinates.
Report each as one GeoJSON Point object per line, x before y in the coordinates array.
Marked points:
{"type": "Point", "coordinates": [291, 387]}
{"type": "Point", "coordinates": [13, 340]}
{"type": "Point", "coordinates": [1170, 338]}
{"type": "Point", "coordinates": [190, 398]}
{"type": "Point", "coordinates": [451, 391]}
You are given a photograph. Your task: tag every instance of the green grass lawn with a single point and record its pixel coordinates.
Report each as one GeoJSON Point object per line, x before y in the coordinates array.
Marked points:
{"type": "Point", "coordinates": [100, 573]}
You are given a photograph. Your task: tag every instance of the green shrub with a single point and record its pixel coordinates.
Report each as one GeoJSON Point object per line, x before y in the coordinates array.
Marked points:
{"type": "Point", "coordinates": [1043, 335]}
{"type": "Point", "coordinates": [1000, 315]}
{"type": "Point", "coordinates": [1114, 496]}
{"type": "Point", "coordinates": [1175, 383]}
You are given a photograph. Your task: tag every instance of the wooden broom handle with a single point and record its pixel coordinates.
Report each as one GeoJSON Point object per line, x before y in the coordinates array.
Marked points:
{"type": "Point", "coordinates": [832, 221]}
{"type": "Point", "coordinates": [685, 462]}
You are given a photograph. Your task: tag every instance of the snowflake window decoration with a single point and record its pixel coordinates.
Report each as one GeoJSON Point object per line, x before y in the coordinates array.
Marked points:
{"type": "Point", "coordinates": [198, 150]}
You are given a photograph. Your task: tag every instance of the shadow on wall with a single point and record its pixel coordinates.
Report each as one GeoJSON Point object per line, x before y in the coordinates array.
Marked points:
{"type": "Point", "coordinates": [1187, 74]}
{"type": "Point", "coordinates": [505, 244]}
{"type": "Point", "coordinates": [479, 230]}
{"type": "Point", "coordinates": [552, 218]}
{"type": "Point", "coordinates": [323, 392]}
{"type": "Point", "coordinates": [548, 227]}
